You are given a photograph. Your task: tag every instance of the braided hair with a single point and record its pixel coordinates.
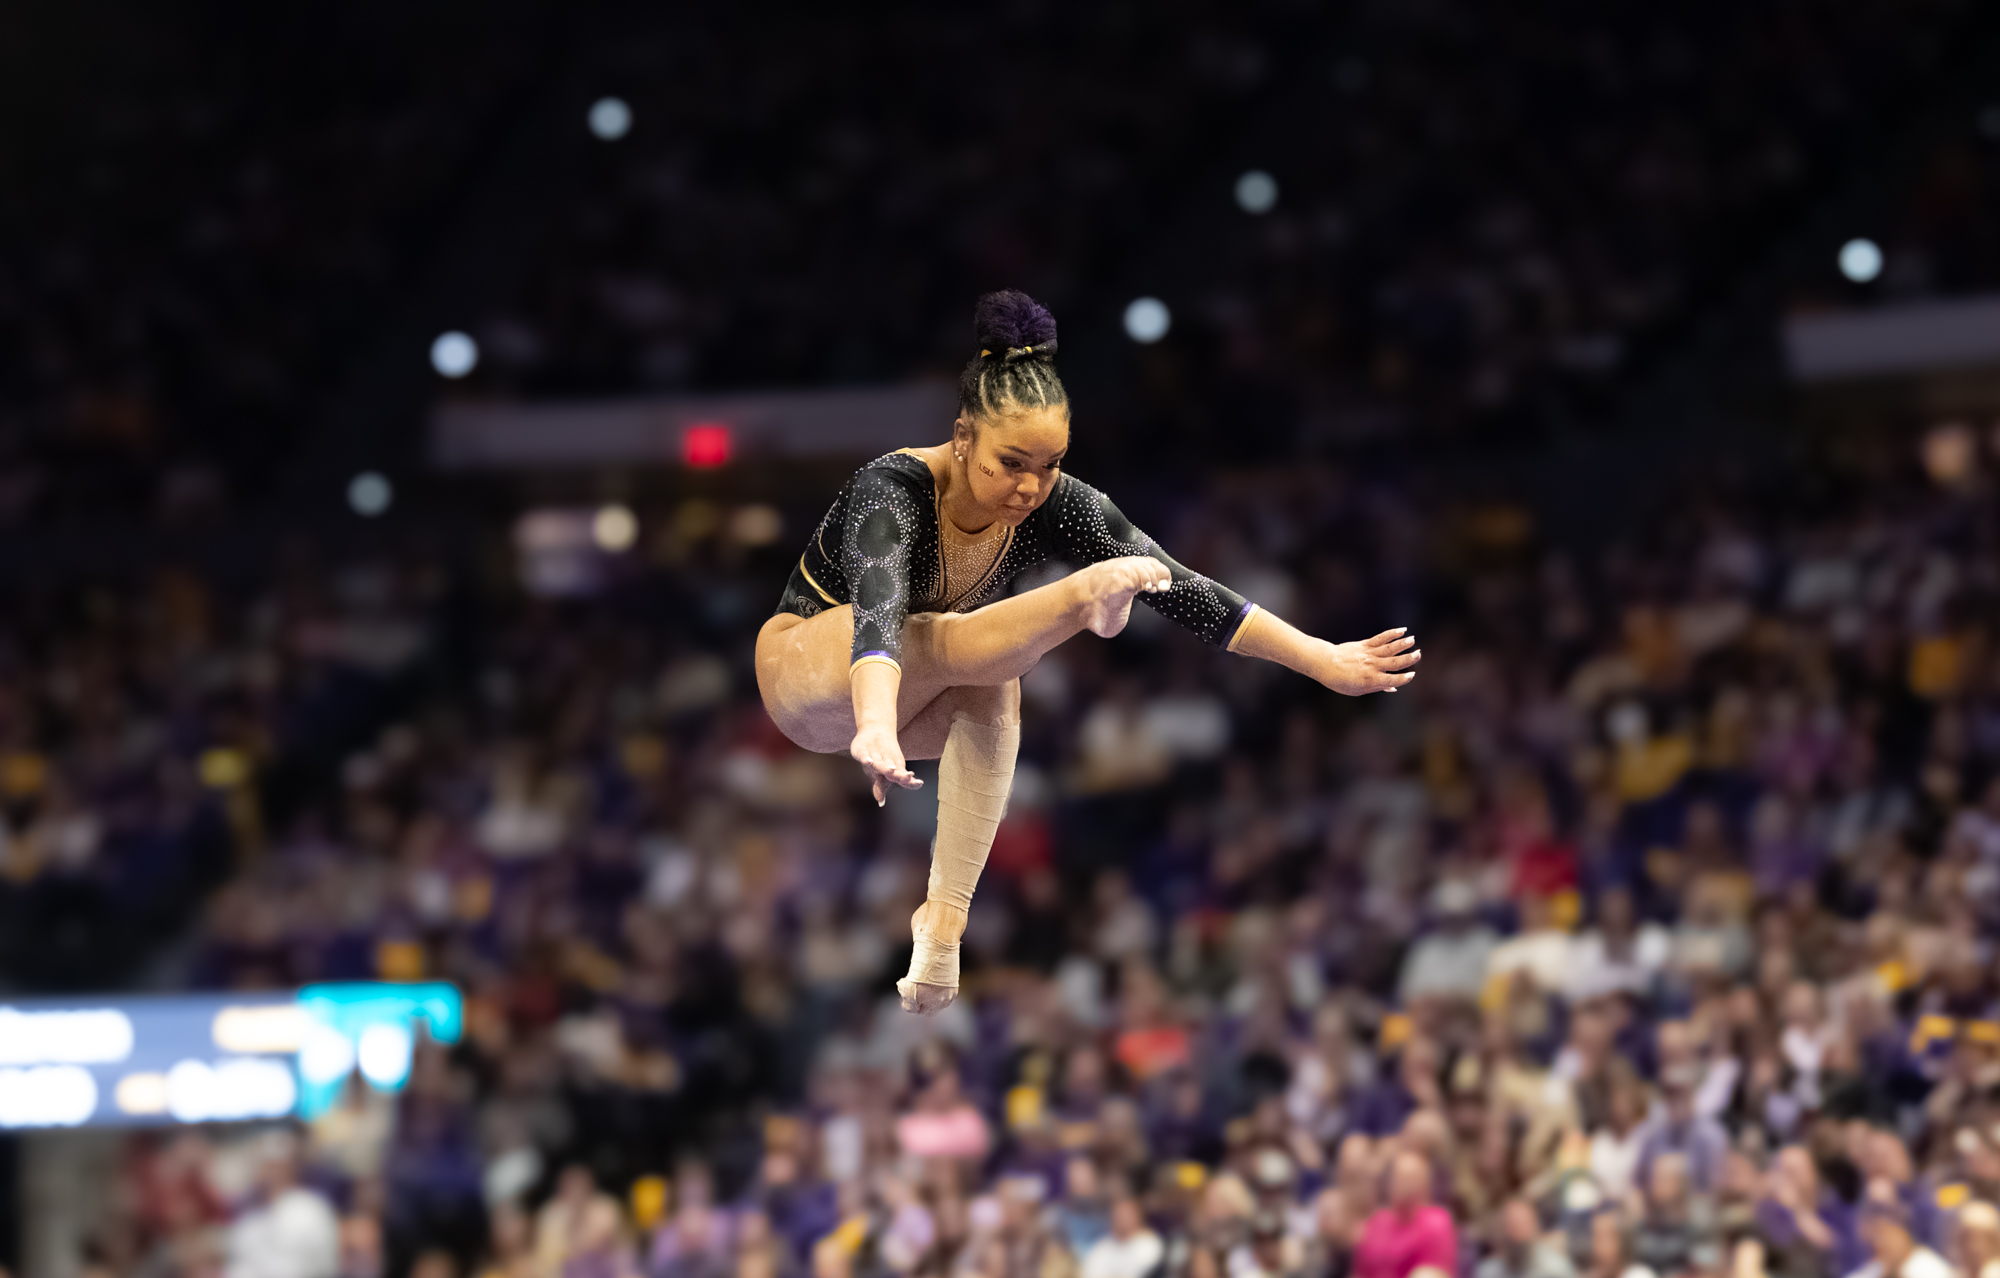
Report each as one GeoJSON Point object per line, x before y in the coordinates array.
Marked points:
{"type": "Point", "coordinates": [1016, 365]}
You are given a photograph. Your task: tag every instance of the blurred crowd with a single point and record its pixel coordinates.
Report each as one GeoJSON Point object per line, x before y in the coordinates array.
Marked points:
{"type": "Point", "coordinates": [1483, 216]}
{"type": "Point", "coordinates": [775, 217]}
{"type": "Point", "coordinates": [209, 211]}
{"type": "Point", "coordinates": [139, 723]}
{"type": "Point", "coordinates": [1504, 210]}
{"type": "Point", "coordinates": [1648, 932]}
{"type": "Point", "coordinates": [1937, 238]}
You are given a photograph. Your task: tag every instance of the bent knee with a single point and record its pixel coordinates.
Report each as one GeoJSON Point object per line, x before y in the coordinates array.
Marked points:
{"type": "Point", "coordinates": [823, 738]}
{"type": "Point", "coordinates": [822, 730]}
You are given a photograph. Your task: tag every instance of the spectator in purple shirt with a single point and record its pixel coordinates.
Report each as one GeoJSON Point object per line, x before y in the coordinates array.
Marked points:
{"type": "Point", "coordinates": [1799, 1224]}
{"type": "Point", "coordinates": [1680, 1130]}
{"type": "Point", "coordinates": [1383, 1109]}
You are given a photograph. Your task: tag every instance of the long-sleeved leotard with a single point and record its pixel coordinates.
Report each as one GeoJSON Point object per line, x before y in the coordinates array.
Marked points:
{"type": "Point", "coordinates": [878, 548]}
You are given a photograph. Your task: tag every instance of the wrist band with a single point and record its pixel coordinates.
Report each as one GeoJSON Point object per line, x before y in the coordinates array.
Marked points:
{"type": "Point", "coordinates": [880, 658]}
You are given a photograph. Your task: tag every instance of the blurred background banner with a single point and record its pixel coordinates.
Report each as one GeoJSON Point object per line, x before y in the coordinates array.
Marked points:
{"type": "Point", "coordinates": [147, 1061]}
{"type": "Point", "coordinates": [699, 431]}
{"type": "Point", "coordinates": [1913, 338]}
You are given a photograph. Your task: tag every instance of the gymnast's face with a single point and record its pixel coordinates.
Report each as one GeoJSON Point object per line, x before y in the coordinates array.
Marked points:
{"type": "Point", "coordinates": [1012, 460]}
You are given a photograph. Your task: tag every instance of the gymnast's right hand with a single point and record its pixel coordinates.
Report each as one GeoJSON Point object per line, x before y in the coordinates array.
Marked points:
{"type": "Point", "coordinates": [881, 758]}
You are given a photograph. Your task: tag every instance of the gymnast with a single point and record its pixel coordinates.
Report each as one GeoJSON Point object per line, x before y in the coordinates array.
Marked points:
{"type": "Point", "coordinates": [896, 639]}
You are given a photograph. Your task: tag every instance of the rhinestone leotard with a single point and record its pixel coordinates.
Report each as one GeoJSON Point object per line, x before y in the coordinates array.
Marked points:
{"type": "Point", "coordinates": [878, 549]}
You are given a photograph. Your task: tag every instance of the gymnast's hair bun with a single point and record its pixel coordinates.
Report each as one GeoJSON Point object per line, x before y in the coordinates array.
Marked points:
{"type": "Point", "coordinates": [1015, 368]}
{"type": "Point", "coordinates": [1012, 326]}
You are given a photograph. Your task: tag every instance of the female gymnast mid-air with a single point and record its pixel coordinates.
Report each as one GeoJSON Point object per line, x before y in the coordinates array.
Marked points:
{"type": "Point", "coordinates": [896, 639]}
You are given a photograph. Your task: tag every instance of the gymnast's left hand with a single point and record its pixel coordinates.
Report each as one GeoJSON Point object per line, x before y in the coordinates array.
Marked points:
{"type": "Point", "coordinates": [881, 758]}
{"type": "Point", "coordinates": [1382, 664]}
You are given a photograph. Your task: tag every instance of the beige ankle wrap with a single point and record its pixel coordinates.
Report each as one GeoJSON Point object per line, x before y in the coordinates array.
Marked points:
{"type": "Point", "coordinates": [975, 774]}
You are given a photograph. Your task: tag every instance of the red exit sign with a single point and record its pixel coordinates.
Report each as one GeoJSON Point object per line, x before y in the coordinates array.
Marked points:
{"type": "Point", "coordinates": [706, 445]}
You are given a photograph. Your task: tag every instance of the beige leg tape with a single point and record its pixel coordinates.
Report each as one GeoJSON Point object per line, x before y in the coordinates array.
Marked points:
{"type": "Point", "coordinates": [974, 776]}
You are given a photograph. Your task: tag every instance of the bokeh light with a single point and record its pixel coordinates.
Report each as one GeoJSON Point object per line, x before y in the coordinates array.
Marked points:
{"type": "Point", "coordinates": [610, 119]}
{"type": "Point", "coordinates": [454, 354]}
{"type": "Point", "coordinates": [756, 525]}
{"type": "Point", "coordinates": [614, 529]}
{"type": "Point", "coordinates": [1256, 192]}
{"type": "Point", "coordinates": [707, 445]}
{"type": "Point", "coordinates": [1147, 320]}
{"type": "Point", "coordinates": [1950, 452]}
{"type": "Point", "coordinates": [1860, 260]}
{"type": "Point", "coordinates": [369, 494]}
{"type": "Point", "coordinates": [384, 1054]}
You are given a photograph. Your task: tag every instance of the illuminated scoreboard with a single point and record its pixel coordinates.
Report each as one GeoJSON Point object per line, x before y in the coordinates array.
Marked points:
{"type": "Point", "coordinates": [141, 1061]}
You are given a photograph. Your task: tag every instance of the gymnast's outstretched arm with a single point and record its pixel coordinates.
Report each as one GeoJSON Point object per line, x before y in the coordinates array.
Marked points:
{"type": "Point", "coordinates": [1093, 529]}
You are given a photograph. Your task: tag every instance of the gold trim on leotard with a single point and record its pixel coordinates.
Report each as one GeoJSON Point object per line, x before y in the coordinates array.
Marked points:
{"type": "Point", "coordinates": [814, 584]}
{"type": "Point", "coordinates": [877, 658]}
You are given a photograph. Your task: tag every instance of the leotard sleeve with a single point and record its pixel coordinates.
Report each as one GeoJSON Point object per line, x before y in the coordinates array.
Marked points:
{"type": "Point", "coordinates": [1090, 529]}
{"type": "Point", "coordinates": [875, 537]}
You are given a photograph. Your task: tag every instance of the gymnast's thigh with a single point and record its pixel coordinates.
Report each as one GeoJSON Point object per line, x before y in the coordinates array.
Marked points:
{"type": "Point", "coordinates": [802, 672]}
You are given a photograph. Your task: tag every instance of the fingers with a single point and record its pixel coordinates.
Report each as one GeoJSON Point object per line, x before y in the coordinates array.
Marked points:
{"type": "Point", "coordinates": [882, 774]}
{"type": "Point", "coordinates": [882, 764]}
{"type": "Point", "coordinates": [1161, 578]}
{"type": "Point", "coordinates": [1385, 637]}
{"type": "Point", "coordinates": [1401, 661]}
{"type": "Point", "coordinates": [1392, 671]}
{"type": "Point", "coordinates": [1391, 682]}
{"type": "Point", "coordinates": [1375, 649]}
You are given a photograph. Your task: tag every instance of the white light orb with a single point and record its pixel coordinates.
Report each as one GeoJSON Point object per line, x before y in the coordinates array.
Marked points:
{"type": "Point", "coordinates": [1147, 320]}
{"type": "Point", "coordinates": [369, 494]}
{"type": "Point", "coordinates": [253, 1088]}
{"type": "Point", "coordinates": [610, 118]}
{"type": "Point", "coordinates": [385, 1055]}
{"type": "Point", "coordinates": [47, 1096]}
{"type": "Point", "coordinates": [1256, 192]}
{"type": "Point", "coordinates": [614, 529]}
{"type": "Point", "coordinates": [191, 1093]}
{"type": "Point", "coordinates": [454, 354]}
{"type": "Point", "coordinates": [326, 1056]}
{"type": "Point", "coordinates": [1860, 260]}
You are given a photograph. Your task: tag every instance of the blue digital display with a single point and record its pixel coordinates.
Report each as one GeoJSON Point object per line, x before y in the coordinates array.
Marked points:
{"type": "Point", "coordinates": [142, 1061]}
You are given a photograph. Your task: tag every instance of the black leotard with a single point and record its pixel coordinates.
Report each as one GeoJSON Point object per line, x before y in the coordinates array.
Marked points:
{"type": "Point", "coordinates": [878, 548]}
